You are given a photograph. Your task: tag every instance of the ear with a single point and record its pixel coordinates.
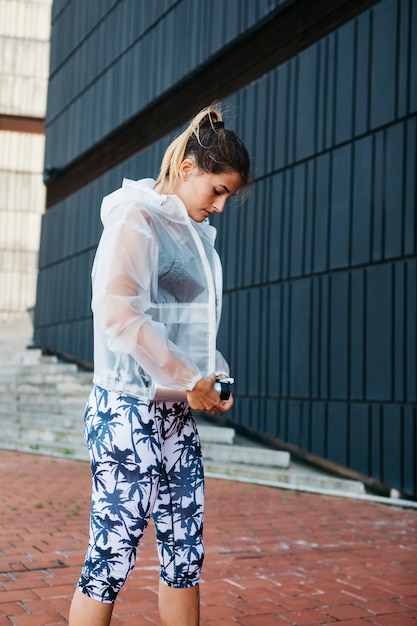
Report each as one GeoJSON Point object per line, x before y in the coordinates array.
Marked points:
{"type": "Point", "coordinates": [187, 168]}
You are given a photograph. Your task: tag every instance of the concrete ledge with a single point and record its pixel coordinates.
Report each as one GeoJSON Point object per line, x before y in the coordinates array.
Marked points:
{"type": "Point", "coordinates": [247, 455]}
{"type": "Point", "coordinates": [215, 434]}
{"type": "Point", "coordinates": [289, 478]}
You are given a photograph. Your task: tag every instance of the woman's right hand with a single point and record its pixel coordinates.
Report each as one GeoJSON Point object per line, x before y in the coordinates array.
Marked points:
{"type": "Point", "coordinates": [204, 397]}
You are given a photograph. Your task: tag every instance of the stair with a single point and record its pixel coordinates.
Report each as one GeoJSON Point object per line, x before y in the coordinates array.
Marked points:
{"type": "Point", "coordinates": [42, 408]}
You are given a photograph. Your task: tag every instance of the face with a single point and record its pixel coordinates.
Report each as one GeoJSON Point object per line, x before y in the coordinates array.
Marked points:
{"type": "Point", "coordinates": [203, 193]}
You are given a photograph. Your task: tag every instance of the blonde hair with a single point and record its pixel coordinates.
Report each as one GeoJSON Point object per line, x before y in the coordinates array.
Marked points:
{"type": "Point", "coordinates": [214, 149]}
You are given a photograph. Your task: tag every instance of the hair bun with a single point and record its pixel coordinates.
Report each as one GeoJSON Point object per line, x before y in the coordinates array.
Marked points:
{"type": "Point", "coordinates": [208, 122]}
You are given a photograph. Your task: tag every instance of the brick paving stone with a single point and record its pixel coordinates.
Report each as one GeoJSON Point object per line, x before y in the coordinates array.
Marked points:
{"type": "Point", "coordinates": [257, 608]}
{"type": "Point", "coordinates": [216, 622]}
{"type": "Point", "coordinates": [40, 619]}
{"type": "Point", "coordinates": [347, 611]}
{"type": "Point", "coordinates": [273, 556]}
{"type": "Point", "coordinates": [397, 620]}
{"type": "Point", "coordinates": [384, 607]}
{"type": "Point", "coordinates": [411, 601]}
{"type": "Point", "coordinates": [308, 618]}
{"type": "Point", "coordinates": [11, 608]}
{"type": "Point", "coordinates": [263, 620]}
{"type": "Point", "coordinates": [220, 612]}
{"type": "Point", "coordinates": [291, 603]}
{"type": "Point", "coordinates": [355, 622]}
{"type": "Point", "coordinates": [17, 596]}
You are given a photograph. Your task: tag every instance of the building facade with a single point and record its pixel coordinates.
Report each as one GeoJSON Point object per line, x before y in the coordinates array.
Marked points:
{"type": "Point", "coordinates": [24, 54]}
{"type": "Point", "coordinates": [320, 263]}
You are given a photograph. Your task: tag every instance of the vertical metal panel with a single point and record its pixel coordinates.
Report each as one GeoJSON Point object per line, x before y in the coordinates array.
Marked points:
{"type": "Point", "coordinates": [378, 198]}
{"type": "Point", "coordinates": [297, 211]}
{"type": "Point", "coordinates": [274, 352]}
{"type": "Point", "coordinates": [409, 461]}
{"type": "Point", "coordinates": [275, 235]}
{"type": "Point", "coordinates": [344, 83]}
{"type": "Point", "coordinates": [361, 210]}
{"type": "Point", "coordinates": [359, 438]}
{"type": "Point", "coordinates": [410, 187]}
{"type": "Point", "coordinates": [379, 333]}
{"type": "Point", "coordinates": [329, 121]}
{"type": "Point", "coordinates": [280, 99]}
{"type": "Point", "coordinates": [271, 419]}
{"type": "Point", "coordinates": [324, 330]}
{"type": "Point", "coordinates": [254, 355]}
{"type": "Point", "coordinates": [357, 347]}
{"type": "Point", "coordinates": [243, 362]}
{"type": "Point", "coordinates": [399, 333]}
{"type": "Point", "coordinates": [308, 239]}
{"type": "Point", "coordinates": [322, 210]}
{"type": "Point", "coordinates": [319, 429]}
{"type": "Point", "coordinates": [288, 186]}
{"type": "Point", "coordinates": [299, 341]}
{"type": "Point", "coordinates": [412, 51]}
{"type": "Point", "coordinates": [285, 322]}
{"type": "Point", "coordinates": [314, 357]}
{"type": "Point", "coordinates": [384, 59]}
{"type": "Point", "coordinates": [306, 104]}
{"type": "Point", "coordinates": [411, 342]}
{"type": "Point", "coordinates": [363, 69]}
{"type": "Point", "coordinates": [294, 423]}
{"type": "Point", "coordinates": [391, 424]}
{"type": "Point", "coordinates": [337, 432]}
{"type": "Point", "coordinates": [340, 203]}
{"type": "Point", "coordinates": [394, 186]}
{"type": "Point", "coordinates": [339, 335]}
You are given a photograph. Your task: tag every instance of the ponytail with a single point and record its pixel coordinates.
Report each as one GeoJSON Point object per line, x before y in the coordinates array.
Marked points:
{"type": "Point", "coordinates": [214, 149]}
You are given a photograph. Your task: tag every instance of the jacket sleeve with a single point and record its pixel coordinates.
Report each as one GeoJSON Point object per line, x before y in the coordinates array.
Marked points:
{"type": "Point", "coordinates": [122, 275]}
{"type": "Point", "coordinates": [222, 367]}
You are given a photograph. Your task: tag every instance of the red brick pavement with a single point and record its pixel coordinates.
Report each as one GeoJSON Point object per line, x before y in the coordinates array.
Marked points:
{"type": "Point", "coordinates": [274, 557]}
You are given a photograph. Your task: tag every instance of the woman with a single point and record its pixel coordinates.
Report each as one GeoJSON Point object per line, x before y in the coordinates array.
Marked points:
{"type": "Point", "coordinates": [156, 304]}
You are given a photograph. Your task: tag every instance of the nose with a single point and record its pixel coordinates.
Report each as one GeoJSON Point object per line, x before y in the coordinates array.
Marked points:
{"type": "Point", "coordinates": [219, 206]}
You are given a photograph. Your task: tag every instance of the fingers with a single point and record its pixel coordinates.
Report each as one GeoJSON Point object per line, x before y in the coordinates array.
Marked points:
{"type": "Point", "coordinates": [225, 405]}
{"type": "Point", "coordinates": [204, 396]}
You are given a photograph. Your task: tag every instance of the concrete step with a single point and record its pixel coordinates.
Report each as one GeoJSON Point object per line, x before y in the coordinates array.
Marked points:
{"type": "Point", "coordinates": [58, 449]}
{"type": "Point", "coordinates": [293, 476]}
{"type": "Point", "coordinates": [214, 434]}
{"type": "Point", "coordinates": [43, 401]}
{"type": "Point", "coordinates": [245, 455]}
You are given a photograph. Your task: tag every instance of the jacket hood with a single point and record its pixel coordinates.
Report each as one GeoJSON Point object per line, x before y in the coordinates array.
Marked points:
{"type": "Point", "coordinates": [142, 192]}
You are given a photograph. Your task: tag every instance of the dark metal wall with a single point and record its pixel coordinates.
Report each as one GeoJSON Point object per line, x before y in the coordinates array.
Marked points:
{"type": "Point", "coordinates": [320, 263]}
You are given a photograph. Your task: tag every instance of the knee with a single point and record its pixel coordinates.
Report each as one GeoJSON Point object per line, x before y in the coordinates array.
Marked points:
{"type": "Point", "coordinates": [183, 575]}
{"type": "Point", "coordinates": [99, 586]}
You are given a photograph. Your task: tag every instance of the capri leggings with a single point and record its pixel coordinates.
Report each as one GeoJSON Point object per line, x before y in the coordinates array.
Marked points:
{"type": "Point", "coordinates": [145, 460]}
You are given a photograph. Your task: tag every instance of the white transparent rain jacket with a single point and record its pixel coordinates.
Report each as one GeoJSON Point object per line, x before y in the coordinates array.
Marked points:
{"type": "Point", "coordinates": [157, 290]}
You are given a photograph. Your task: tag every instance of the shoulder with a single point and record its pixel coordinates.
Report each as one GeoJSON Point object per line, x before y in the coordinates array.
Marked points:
{"type": "Point", "coordinates": [133, 202]}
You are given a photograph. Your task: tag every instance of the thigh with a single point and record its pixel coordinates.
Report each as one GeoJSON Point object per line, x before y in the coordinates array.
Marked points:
{"type": "Point", "coordinates": [179, 508]}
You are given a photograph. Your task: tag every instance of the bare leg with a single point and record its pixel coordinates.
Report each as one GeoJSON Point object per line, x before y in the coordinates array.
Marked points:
{"type": "Point", "coordinates": [85, 611]}
{"type": "Point", "coordinates": [179, 607]}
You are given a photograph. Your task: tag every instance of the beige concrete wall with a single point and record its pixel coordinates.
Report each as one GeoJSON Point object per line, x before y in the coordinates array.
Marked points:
{"type": "Point", "coordinates": [24, 67]}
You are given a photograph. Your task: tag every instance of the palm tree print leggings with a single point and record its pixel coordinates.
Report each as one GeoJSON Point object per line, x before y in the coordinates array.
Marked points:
{"type": "Point", "coordinates": [145, 460]}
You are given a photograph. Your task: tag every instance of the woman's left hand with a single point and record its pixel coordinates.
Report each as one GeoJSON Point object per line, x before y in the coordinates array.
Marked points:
{"type": "Point", "coordinates": [224, 405]}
